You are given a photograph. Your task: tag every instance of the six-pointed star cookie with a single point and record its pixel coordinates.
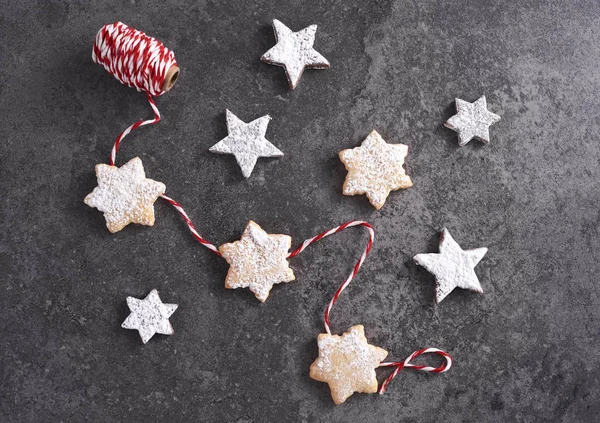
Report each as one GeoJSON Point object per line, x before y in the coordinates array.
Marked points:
{"type": "Point", "coordinates": [125, 195]}
{"type": "Point", "coordinates": [375, 168]}
{"type": "Point", "coordinates": [246, 141]}
{"type": "Point", "coordinates": [294, 52]}
{"type": "Point", "coordinates": [453, 267]}
{"type": "Point", "coordinates": [257, 261]}
{"type": "Point", "coordinates": [149, 316]}
{"type": "Point", "coordinates": [472, 120]}
{"type": "Point", "coordinates": [347, 363]}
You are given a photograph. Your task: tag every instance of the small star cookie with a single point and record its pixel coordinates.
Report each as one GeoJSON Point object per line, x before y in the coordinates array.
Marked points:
{"type": "Point", "coordinates": [375, 168]}
{"type": "Point", "coordinates": [149, 316]}
{"type": "Point", "coordinates": [257, 261]}
{"type": "Point", "coordinates": [125, 195]}
{"type": "Point", "coordinates": [453, 267]}
{"type": "Point", "coordinates": [472, 120]}
{"type": "Point", "coordinates": [294, 52]}
{"type": "Point", "coordinates": [246, 141]}
{"type": "Point", "coordinates": [347, 363]}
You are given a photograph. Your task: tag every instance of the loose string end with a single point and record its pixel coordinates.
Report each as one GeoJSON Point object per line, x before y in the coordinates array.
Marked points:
{"type": "Point", "coordinates": [399, 365]}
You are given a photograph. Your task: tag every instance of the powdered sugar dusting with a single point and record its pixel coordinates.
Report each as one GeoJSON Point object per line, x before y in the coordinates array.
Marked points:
{"type": "Point", "coordinates": [125, 195]}
{"type": "Point", "coordinates": [375, 168]}
{"type": "Point", "coordinates": [472, 120]}
{"type": "Point", "coordinates": [453, 267]}
{"type": "Point", "coordinates": [294, 52]}
{"type": "Point", "coordinates": [247, 142]}
{"type": "Point", "coordinates": [347, 363]}
{"type": "Point", "coordinates": [257, 261]}
{"type": "Point", "coordinates": [149, 316]}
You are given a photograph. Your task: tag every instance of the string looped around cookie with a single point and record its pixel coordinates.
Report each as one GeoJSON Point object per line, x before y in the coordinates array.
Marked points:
{"type": "Point", "coordinates": [399, 365]}
{"type": "Point", "coordinates": [356, 268]}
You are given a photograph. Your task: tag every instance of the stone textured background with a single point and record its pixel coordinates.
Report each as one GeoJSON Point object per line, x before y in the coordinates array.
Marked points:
{"type": "Point", "coordinates": [525, 350]}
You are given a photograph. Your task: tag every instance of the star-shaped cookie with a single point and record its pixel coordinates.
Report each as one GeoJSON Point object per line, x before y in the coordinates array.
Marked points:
{"type": "Point", "coordinates": [472, 120]}
{"type": "Point", "coordinates": [246, 141]}
{"type": "Point", "coordinates": [375, 168]}
{"type": "Point", "coordinates": [294, 52]}
{"type": "Point", "coordinates": [149, 316]}
{"type": "Point", "coordinates": [347, 363]}
{"type": "Point", "coordinates": [125, 195]}
{"type": "Point", "coordinates": [257, 261]}
{"type": "Point", "coordinates": [453, 267]}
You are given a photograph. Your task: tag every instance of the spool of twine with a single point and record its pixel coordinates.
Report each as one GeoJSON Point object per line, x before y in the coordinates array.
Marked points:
{"type": "Point", "coordinates": [135, 59]}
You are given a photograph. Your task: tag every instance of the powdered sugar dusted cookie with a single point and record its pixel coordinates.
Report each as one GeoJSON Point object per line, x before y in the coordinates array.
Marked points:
{"type": "Point", "coordinates": [149, 316]}
{"type": "Point", "coordinates": [453, 267]}
{"type": "Point", "coordinates": [472, 120]}
{"type": "Point", "coordinates": [257, 261]}
{"type": "Point", "coordinates": [125, 195]}
{"type": "Point", "coordinates": [375, 168]}
{"type": "Point", "coordinates": [246, 141]}
{"type": "Point", "coordinates": [294, 52]}
{"type": "Point", "coordinates": [347, 363]}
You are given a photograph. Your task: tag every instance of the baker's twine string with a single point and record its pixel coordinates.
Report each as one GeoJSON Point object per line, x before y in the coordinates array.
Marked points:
{"type": "Point", "coordinates": [136, 60]}
{"type": "Point", "coordinates": [297, 251]}
{"type": "Point", "coordinates": [191, 226]}
{"type": "Point", "coordinates": [142, 62]}
{"type": "Point", "coordinates": [399, 365]}
{"type": "Point", "coordinates": [356, 268]}
{"type": "Point", "coordinates": [113, 153]}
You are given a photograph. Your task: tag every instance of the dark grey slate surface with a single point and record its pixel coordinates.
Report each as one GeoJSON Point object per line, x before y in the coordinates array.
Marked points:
{"type": "Point", "coordinates": [524, 351]}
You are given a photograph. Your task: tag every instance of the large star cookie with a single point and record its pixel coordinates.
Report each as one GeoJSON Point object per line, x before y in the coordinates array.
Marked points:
{"type": "Point", "coordinates": [347, 363]}
{"type": "Point", "coordinates": [294, 52]}
{"type": "Point", "coordinates": [149, 316]}
{"type": "Point", "coordinates": [375, 168]}
{"type": "Point", "coordinates": [257, 261]}
{"type": "Point", "coordinates": [472, 120]}
{"type": "Point", "coordinates": [125, 195]}
{"type": "Point", "coordinates": [453, 267]}
{"type": "Point", "coordinates": [246, 141]}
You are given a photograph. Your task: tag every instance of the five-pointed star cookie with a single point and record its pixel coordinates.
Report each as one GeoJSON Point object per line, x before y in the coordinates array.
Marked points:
{"type": "Point", "coordinates": [453, 267]}
{"type": "Point", "coordinates": [246, 141]}
{"type": "Point", "coordinates": [149, 316]}
{"type": "Point", "coordinates": [347, 363]}
{"type": "Point", "coordinates": [294, 52]}
{"type": "Point", "coordinates": [472, 120]}
{"type": "Point", "coordinates": [125, 195]}
{"type": "Point", "coordinates": [257, 261]}
{"type": "Point", "coordinates": [375, 168]}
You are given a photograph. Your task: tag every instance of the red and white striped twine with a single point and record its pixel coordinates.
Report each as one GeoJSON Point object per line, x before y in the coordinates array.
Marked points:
{"type": "Point", "coordinates": [113, 153]}
{"type": "Point", "coordinates": [136, 60]}
{"type": "Point", "coordinates": [190, 225]}
{"type": "Point", "coordinates": [399, 365]}
{"type": "Point", "coordinates": [142, 62]}
{"type": "Point", "coordinates": [356, 268]}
